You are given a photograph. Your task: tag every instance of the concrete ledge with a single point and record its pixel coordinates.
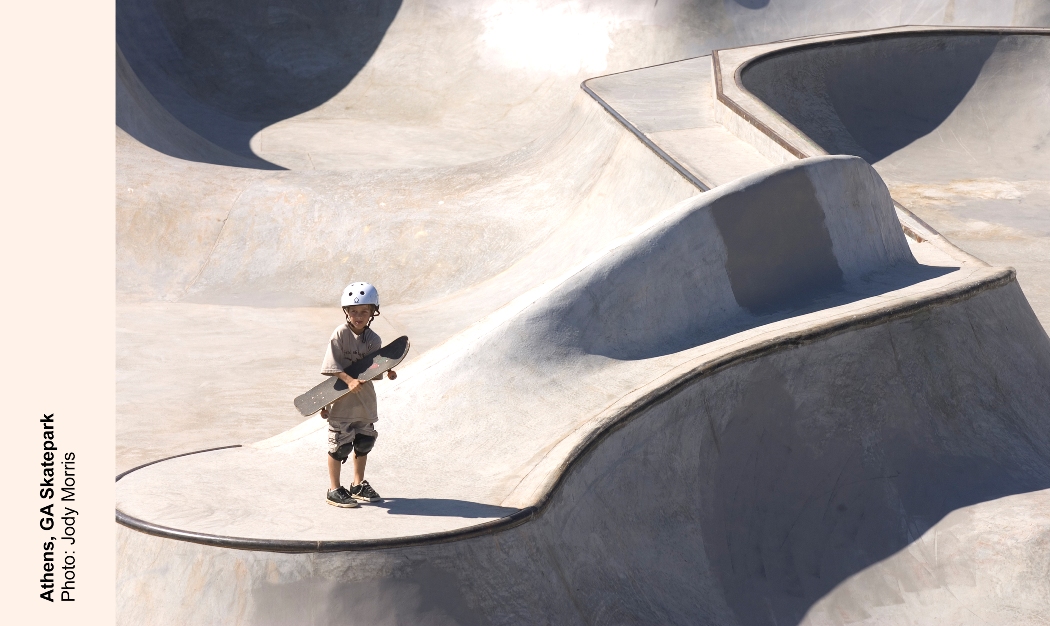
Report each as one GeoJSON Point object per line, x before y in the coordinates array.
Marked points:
{"type": "Point", "coordinates": [749, 118]}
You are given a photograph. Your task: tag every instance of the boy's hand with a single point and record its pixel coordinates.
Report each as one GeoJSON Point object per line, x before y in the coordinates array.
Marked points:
{"type": "Point", "coordinates": [352, 383]}
{"type": "Point", "coordinates": [391, 374]}
{"type": "Point", "coordinates": [324, 413]}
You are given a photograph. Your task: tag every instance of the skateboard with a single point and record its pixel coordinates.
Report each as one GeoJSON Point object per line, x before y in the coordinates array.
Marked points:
{"type": "Point", "coordinates": [371, 366]}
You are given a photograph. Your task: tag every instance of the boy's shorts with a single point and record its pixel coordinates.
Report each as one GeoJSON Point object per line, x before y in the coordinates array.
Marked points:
{"type": "Point", "coordinates": [346, 436]}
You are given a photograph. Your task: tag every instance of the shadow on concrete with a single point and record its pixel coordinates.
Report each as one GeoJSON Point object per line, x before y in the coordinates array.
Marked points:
{"type": "Point", "coordinates": [440, 507]}
{"type": "Point", "coordinates": [754, 5]}
{"type": "Point", "coordinates": [757, 252]}
{"type": "Point", "coordinates": [423, 595]}
{"type": "Point", "coordinates": [779, 259]}
{"type": "Point", "coordinates": [801, 499]}
{"type": "Point", "coordinates": [797, 304]}
{"type": "Point", "coordinates": [871, 98]}
{"type": "Point", "coordinates": [225, 69]}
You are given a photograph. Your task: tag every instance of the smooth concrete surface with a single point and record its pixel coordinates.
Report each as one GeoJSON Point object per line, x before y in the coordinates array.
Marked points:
{"type": "Point", "coordinates": [584, 339]}
{"type": "Point", "coordinates": [434, 238]}
{"type": "Point", "coordinates": [873, 476]}
{"type": "Point", "coordinates": [380, 84]}
{"type": "Point", "coordinates": [672, 105]}
{"type": "Point", "coordinates": [444, 149]}
{"type": "Point", "coordinates": [952, 121]}
{"type": "Point", "coordinates": [521, 221]}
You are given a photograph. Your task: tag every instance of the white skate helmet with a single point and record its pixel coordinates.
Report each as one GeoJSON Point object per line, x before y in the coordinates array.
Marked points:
{"type": "Point", "coordinates": [359, 293]}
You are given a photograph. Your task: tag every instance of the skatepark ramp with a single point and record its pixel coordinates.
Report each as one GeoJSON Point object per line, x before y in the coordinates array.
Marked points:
{"type": "Point", "coordinates": [751, 447]}
{"type": "Point", "coordinates": [786, 400]}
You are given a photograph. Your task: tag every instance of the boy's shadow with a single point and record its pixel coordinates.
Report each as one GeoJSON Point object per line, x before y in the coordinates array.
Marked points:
{"type": "Point", "coordinates": [440, 507]}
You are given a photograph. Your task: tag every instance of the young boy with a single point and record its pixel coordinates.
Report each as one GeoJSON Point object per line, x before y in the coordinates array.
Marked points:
{"type": "Point", "coordinates": [350, 418]}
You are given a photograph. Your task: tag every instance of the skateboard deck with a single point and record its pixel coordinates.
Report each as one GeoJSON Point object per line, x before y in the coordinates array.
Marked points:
{"type": "Point", "coordinates": [370, 366]}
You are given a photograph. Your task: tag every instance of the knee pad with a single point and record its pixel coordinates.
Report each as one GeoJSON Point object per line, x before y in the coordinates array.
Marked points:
{"type": "Point", "coordinates": [363, 444]}
{"type": "Point", "coordinates": [342, 452]}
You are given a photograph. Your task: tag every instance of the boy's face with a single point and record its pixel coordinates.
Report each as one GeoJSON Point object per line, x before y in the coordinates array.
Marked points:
{"type": "Point", "coordinates": [358, 315]}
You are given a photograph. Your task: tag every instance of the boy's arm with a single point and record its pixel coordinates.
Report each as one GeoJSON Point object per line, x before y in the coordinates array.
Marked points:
{"type": "Point", "coordinates": [332, 365]}
{"type": "Point", "coordinates": [351, 382]}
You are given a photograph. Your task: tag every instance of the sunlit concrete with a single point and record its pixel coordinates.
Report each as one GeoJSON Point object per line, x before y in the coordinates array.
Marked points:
{"type": "Point", "coordinates": [446, 153]}
{"type": "Point", "coordinates": [952, 121]}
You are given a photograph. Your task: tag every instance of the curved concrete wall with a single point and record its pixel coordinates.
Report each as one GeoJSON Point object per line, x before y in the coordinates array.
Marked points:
{"type": "Point", "coordinates": [605, 328]}
{"type": "Point", "coordinates": [143, 117]}
{"type": "Point", "coordinates": [748, 493]}
{"type": "Point", "coordinates": [344, 85]}
{"type": "Point", "coordinates": [951, 119]}
{"type": "Point", "coordinates": [617, 318]}
{"type": "Point", "coordinates": [752, 495]}
{"type": "Point", "coordinates": [295, 238]}
{"type": "Point", "coordinates": [876, 96]}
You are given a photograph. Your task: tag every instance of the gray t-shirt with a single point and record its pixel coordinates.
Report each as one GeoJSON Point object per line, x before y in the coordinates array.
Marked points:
{"type": "Point", "coordinates": [343, 349]}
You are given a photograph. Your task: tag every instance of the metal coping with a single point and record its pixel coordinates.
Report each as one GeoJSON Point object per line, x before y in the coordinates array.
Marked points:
{"type": "Point", "coordinates": [620, 419]}
{"type": "Point", "coordinates": [174, 456]}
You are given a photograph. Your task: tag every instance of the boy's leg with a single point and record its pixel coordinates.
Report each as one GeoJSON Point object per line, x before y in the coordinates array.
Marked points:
{"type": "Point", "coordinates": [362, 446]}
{"type": "Point", "coordinates": [339, 447]}
{"type": "Point", "coordinates": [359, 468]}
{"type": "Point", "coordinates": [338, 495]}
{"type": "Point", "coordinates": [360, 489]}
{"type": "Point", "coordinates": [333, 471]}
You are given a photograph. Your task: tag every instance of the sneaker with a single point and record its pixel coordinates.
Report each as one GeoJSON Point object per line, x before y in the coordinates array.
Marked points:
{"type": "Point", "coordinates": [341, 497]}
{"type": "Point", "coordinates": [364, 492]}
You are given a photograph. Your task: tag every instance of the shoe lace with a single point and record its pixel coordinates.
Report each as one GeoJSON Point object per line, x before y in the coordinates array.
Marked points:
{"type": "Point", "coordinates": [366, 489]}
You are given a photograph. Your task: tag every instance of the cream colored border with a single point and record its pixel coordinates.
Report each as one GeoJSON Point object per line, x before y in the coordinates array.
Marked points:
{"type": "Point", "coordinates": [58, 295]}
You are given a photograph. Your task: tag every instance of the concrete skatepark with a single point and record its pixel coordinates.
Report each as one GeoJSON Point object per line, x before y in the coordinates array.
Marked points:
{"type": "Point", "coordinates": [680, 354]}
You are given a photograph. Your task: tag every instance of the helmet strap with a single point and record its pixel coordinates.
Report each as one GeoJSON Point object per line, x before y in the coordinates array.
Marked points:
{"type": "Point", "coordinates": [368, 324]}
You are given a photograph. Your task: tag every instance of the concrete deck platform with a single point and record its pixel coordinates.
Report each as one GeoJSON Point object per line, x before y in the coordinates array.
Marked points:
{"type": "Point", "coordinates": [672, 106]}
